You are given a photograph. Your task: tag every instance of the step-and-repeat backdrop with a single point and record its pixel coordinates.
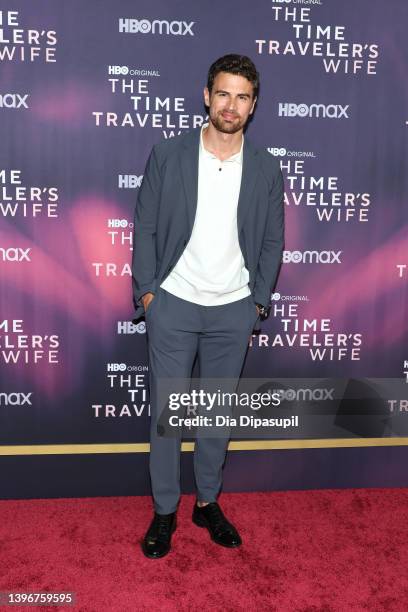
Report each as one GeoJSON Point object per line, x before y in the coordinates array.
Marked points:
{"type": "Point", "coordinates": [86, 89]}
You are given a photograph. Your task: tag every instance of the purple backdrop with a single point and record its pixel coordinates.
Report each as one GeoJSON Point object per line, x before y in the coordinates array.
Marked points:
{"type": "Point", "coordinates": [85, 91]}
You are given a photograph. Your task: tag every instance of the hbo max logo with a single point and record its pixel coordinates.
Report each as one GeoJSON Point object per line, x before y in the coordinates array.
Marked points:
{"type": "Point", "coordinates": [128, 327]}
{"type": "Point", "coordinates": [15, 399]}
{"type": "Point", "coordinates": [292, 395]}
{"type": "Point", "coordinates": [15, 254]}
{"type": "Point", "coordinates": [144, 26]}
{"type": "Point", "coordinates": [330, 111]}
{"type": "Point", "coordinates": [10, 100]}
{"type": "Point", "coordinates": [324, 257]}
{"type": "Point", "coordinates": [129, 181]}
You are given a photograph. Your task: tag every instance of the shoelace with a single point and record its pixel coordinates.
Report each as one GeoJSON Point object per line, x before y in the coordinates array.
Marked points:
{"type": "Point", "coordinates": [162, 524]}
{"type": "Point", "coordinates": [216, 518]}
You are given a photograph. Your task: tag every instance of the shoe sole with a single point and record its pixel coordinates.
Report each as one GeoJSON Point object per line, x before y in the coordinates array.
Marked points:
{"type": "Point", "coordinates": [200, 523]}
{"type": "Point", "coordinates": [157, 556]}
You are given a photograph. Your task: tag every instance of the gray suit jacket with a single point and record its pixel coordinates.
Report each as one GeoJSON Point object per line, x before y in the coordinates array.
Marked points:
{"type": "Point", "coordinates": [166, 206]}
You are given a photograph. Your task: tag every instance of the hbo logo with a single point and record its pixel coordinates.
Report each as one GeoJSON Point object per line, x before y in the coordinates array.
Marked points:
{"type": "Point", "coordinates": [117, 223]}
{"type": "Point", "coordinates": [118, 70]}
{"type": "Point", "coordinates": [116, 367]}
{"type": "Point", "coordinates": [277, 152]}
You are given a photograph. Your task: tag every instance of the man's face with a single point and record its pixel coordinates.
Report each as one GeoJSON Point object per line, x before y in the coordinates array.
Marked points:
{"type": "Point", "coordinates": [231, 102]}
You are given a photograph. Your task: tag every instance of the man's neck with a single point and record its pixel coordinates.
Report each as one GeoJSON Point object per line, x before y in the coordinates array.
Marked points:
{"type": "Point", "coordinates": [221, 144]}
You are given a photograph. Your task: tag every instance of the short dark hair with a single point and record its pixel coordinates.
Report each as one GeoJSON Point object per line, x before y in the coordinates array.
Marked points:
{"type": "Point", "coordinates": [241, 65]}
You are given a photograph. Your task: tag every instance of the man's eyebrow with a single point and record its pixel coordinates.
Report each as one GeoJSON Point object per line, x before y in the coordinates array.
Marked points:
{"type": "Point", "coordinates": [227, 92]}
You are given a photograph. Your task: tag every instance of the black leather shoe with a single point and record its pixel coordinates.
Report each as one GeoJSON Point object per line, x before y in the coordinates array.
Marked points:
{"type": "Point", "coordinates": [221, 530]}
{"type": "Point", "coordinates": [157, 540]}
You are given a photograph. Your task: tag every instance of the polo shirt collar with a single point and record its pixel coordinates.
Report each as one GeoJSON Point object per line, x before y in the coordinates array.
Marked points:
{"type": "Point", "coordinates": [237, 157]}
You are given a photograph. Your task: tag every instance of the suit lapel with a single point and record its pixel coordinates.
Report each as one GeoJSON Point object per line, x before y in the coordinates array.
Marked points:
{"type": "Point", "coordinates": [248, 181]}
{"type": "Point", "coordinates": [189, 170]}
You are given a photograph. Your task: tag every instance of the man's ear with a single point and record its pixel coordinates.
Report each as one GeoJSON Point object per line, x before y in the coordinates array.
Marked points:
{"type": "Point", "coordinates": [253, 106]}
{"type": "Point", "coordinates": [206, 96]}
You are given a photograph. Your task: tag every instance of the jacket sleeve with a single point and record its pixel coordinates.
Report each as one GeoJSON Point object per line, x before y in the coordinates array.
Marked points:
{"type": "Point", "coordinates": [144, 231]}
{"type": "Point", "coordinates": [272, 247]}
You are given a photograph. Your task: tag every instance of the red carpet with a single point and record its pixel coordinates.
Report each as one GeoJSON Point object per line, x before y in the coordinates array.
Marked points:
{"type": "Point", "coordinates": [303, 551]}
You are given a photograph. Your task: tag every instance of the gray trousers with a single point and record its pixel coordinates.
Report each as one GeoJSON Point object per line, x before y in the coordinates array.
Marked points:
{"type": "Point", "coordinates": [178, 331]}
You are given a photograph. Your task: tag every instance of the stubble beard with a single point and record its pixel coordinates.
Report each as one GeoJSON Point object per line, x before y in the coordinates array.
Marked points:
{"type": "Point", "coordinates": [227, 127]}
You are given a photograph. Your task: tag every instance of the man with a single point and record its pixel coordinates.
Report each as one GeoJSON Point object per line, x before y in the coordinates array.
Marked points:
{"type": "Point", "coordinates": [208, 240]}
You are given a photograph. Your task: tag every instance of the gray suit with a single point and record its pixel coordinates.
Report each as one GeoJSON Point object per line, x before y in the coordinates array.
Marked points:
{"type": "Point", "coordinates": [166, 206]}
{"type": "Point", "coordinates": [177, 329]}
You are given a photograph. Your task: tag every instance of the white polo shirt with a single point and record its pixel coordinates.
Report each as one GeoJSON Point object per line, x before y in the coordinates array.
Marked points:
{"type": "Point", "coordinates": [211, 269]}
